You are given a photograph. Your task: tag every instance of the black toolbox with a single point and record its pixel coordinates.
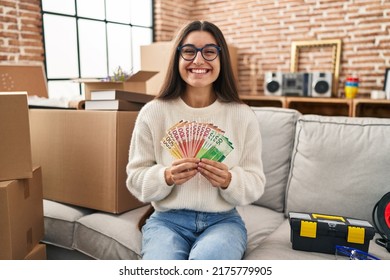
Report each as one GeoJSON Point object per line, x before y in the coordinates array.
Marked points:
{"type": "Point", "coordinates": [321, 233]}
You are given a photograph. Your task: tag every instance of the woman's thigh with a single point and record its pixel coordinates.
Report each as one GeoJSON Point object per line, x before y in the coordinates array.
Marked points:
{"type": "Point", "coordinates": [164, 241]}
{"type": "Point", "coordinates": [225, 240]}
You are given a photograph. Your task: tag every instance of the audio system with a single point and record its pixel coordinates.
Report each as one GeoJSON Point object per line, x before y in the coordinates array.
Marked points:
{"type": "Point", "coordinates": [322, 84]}
{"type": "Point", "coordinates": [296, 84]}
{"type": "Point", "coordinates": [316, 84]}
{"type": "Point", "coordinates": [273, 83]}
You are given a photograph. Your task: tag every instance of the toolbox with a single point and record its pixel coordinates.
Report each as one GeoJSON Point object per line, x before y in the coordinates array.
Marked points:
{"type": "Point", "coordinates": [321, 233]}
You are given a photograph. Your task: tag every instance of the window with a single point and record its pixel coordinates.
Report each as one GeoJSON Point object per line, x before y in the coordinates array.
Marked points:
{"type": "Point", "coordinates": [91, 39]}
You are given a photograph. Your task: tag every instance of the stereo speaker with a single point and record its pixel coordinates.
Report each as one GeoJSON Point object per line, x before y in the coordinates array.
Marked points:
{"type": "Point", "coordinates": [273, 83]}
{"type": "Point", "coordinates": [322, 84]}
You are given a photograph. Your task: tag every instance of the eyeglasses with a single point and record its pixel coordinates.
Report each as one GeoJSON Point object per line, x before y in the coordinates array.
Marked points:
{"type": "Point", "coordinates": [209, 52]}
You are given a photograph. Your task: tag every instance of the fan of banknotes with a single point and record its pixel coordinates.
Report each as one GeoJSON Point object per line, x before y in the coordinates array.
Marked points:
{"type": "Point", "coordinates": [188, 139]}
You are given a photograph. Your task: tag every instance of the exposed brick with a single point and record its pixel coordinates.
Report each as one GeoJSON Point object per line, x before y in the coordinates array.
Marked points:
{"type": "Point", "coordinates": [265, 30]}
{"type": "Point", "coordinates": [262, 30]}
{"type": "Point", "coordinates": [5, 34]}
{"type": "Point", "coordinates": [10, 4]}
{"type": "Point", "coordinates": [9, 50]}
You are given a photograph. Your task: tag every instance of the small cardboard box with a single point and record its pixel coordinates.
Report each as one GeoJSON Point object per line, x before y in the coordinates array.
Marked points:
{"type": "Point", "coordinates": [321, 233]}
{"type": "Point", "coordinates": [37, 253]}
{"type": "Point", "coordinates": [15, 147]}
{"type": "Point", "coordinates": [21, 216]}
{"type": "Point", "coordinates": [20, 77]}
{"type": "Point", "coordinates": [135, 83]}
{"type": "Point", "coordinates": [83, 155]}
{"type": "Point", "coordinates": [156, 57]}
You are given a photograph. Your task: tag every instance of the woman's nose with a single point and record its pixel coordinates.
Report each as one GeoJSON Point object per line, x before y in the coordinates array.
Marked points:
{"type": "Point", "coordinates": [198, 58]}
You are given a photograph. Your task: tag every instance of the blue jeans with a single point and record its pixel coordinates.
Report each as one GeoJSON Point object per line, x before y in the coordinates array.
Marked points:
{"type": "Point", "coordinates": [186, 234]}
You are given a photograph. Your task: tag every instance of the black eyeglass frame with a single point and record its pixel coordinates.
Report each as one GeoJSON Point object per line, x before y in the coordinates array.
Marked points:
{"type": "Point", "coordinates": [218, 48]}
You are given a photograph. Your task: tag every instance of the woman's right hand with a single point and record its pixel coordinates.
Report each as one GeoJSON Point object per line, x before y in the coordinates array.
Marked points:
{"type": "Point", "coordinates": [181, 171]}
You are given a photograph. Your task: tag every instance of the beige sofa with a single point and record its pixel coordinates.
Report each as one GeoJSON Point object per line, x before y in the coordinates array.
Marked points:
{"type": "Point", "coordinates": [330, 165]}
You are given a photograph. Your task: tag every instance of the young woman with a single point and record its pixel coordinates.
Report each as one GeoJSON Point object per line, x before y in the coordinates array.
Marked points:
{"type": "Point", "coordinates": [195, 198]}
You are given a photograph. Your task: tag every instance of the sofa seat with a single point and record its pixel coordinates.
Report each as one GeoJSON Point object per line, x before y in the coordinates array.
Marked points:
{"type": "Point", "coordinates": [277, 246]}
{"type": "Point", "coordinates": [59, 223]}
{"type": "Point", "coordinates": [106, 236]}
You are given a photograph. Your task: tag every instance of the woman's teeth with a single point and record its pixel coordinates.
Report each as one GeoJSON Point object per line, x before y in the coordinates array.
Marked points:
{"type": "Point", "coordinates": [199, 71]}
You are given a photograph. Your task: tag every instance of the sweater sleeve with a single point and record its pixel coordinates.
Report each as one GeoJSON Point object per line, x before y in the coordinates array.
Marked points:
{"type": "Point", "coordinates": [248, 179]}
{"type": "Point", "coordinates": [145, 178]}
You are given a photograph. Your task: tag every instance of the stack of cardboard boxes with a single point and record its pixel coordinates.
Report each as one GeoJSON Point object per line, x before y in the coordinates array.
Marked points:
{"type": "Point", "coordinates": [21, 200]}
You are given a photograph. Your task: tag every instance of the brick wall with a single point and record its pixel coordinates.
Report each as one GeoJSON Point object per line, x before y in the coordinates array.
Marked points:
{"type": "Point", "coordinates": [261, 30]}
{"type": "Point", "coordinates": [20, 32]}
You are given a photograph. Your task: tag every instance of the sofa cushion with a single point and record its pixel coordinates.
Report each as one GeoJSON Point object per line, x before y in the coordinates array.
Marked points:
{"type": "Point", "coordinates": [59, 220]}
{"type": "Point", "coordinates": [278, 127]}
{"type": "Point", "coordinates": [339, 166]}
{"type": "Point", "coordinates": [106, 236]}
{"type": "Point", "coordinates": [277, 246]}
{"type": "Point", "coordinates": [259, 228]}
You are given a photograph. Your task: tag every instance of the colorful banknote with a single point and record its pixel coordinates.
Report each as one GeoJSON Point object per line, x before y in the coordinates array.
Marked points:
{"type": "Point", "coordinates": [195, 139]}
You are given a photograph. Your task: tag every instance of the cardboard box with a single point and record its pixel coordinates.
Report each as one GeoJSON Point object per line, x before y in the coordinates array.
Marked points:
{"type": "Point", "coordinates": [21, 216]}
{"type": "Point", "coordinates": [156, 57]}
{"type": "Point", "coordinates": [19, 77]}
{"type": "Point", "coordinates": [83, 155]}
{"type": "Point", "coordinates": [136, 83]}
{"type": "Point", "coordinates": [37, 253]}
{"type": "Point", "coordinates": [315, 232]}
{"type": "Point", "coordinates": [15, 147]}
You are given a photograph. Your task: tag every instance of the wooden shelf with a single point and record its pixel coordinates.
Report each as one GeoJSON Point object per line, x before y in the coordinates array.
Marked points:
{"type": "Point", "coordinates": [321, 106]}
{"type": "Point", "coordinates": [358, 107]}
{"type": "Point", "coordinates": [376, 108]}
{"type": "Point", "coordinates": [264, 101]}
{"type": "Point", "coordinates": [305, 105]}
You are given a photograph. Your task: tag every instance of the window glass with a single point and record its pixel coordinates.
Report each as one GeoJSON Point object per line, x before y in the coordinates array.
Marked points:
{"type": "Point", "coordinates": [93, 51]}
{"type": "Point", "coordinates": [59, 6]}
{"type": "Point", "coordinates": [91, 9]}
{"type": "Point", "coordinates": [118, 10]}
{"type": "Point", "coordinates": [141, 12]}
{"type": "Point", "coordinates": [92, 38]}
{"type": "Point", "coordinates": [60, 47]}
{"type": "Point", "coordinates": [119, 47]}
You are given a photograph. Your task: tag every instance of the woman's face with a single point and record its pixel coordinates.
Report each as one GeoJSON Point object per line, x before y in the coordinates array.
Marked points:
{"type": "Point", "coordinates": [199, 72]}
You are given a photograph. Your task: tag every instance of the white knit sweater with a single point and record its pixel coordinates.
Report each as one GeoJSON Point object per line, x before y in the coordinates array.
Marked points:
{"type": "Point", "coordinates": [148, 159]}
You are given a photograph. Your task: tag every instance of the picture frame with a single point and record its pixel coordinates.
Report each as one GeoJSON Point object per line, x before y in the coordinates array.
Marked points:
{"type": "Point", "coordinates": [297, 46]}
{"type": "Point", "coordinates": [386, 84]}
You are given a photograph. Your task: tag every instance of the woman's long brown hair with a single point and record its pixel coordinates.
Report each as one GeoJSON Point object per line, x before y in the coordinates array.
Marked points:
{"type": "Point", "coordinates": [145, 216]}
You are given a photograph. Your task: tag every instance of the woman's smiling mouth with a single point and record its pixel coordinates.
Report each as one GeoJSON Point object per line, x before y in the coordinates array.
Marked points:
{"type": "Point", "coordinates": [199, 70]}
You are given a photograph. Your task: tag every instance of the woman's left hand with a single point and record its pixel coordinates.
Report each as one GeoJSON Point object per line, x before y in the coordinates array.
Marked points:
{"type": "Point", "coordinates": [217, 173]}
